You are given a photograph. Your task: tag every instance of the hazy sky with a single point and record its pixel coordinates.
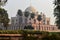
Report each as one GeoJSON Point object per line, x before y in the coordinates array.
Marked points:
{"type": "Point", "coordinates": [45, 6]}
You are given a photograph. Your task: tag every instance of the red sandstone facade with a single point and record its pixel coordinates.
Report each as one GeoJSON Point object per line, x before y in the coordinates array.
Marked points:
{"type": "Point", "coordinates": [45, 27]}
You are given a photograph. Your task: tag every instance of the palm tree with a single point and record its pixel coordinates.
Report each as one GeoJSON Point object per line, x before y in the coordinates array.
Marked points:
{"type": "Point", "coordinates": [39, 19]}
{"type": "Point", "coordinates": [57, 12]}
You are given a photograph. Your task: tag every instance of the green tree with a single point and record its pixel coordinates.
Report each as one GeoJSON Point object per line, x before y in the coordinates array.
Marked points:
{"type": "Point", "coordinates": [4, 17]}
{"type": "Point", "coordinates": [3, 2]}
{"type": "Point", "coordinates": [26, 14]}
{"type": "Point", "coordinates": [57, 12]}
{"type": "Point", "coordinates": [19, 12]}
{"type": "Point", "coordinates": [39, 19]}
{"type": "Point", "coordinates": [32, 15]}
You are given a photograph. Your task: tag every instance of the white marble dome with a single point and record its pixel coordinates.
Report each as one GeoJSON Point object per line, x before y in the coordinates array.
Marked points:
{"type": "Point", "coordinates": [30, 9]}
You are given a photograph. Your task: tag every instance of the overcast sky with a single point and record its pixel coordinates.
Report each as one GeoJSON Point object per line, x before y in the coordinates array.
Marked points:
{"type": "Point", "coordinates": [45, 6]}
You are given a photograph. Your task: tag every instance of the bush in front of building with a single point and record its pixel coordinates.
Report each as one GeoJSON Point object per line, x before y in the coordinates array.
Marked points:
{"type": "Point", "coordinates": [34, 35]}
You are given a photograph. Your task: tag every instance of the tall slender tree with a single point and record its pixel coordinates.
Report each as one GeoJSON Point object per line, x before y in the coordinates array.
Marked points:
{"type": "Point", "coordinates": [26, 14]}
{"type": "Point", "coordinates": [57, 12]}
{"type": "Point", "coordinates": [39, 18]}
{"type": "Point", "coordinates": [19, 12]}
{"type": "Point", "coordinates": [32, 15]}
{"type": "Point", "coordinates": [3, 14]}
{"type": "Point", "coordinates": [4, 18]}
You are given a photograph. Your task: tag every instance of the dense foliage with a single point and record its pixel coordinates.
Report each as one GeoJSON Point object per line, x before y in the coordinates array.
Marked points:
{"type": "Point", "coordinates": [3, 2]}
{"type": "Point", "coordinates": [26, 14]}
{"type": "Point", "coordinates": [20, 12]}
{"type": "Point", "coordinates": [39, 18]}
{"type": "Point", "coordinates": [4, 17]}
{"type": "Point", "coordinates": [32, 15]}
{"type": "Point", "coordinates": [34, 35]}
{"type": "Point", "coordinates": [20, 31]}
{"type": "Point", "coordinates": [57, 12]}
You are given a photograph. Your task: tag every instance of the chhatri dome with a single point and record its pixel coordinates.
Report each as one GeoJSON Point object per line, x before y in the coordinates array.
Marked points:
{"type": "Point", "coordinates": [30, 9]}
